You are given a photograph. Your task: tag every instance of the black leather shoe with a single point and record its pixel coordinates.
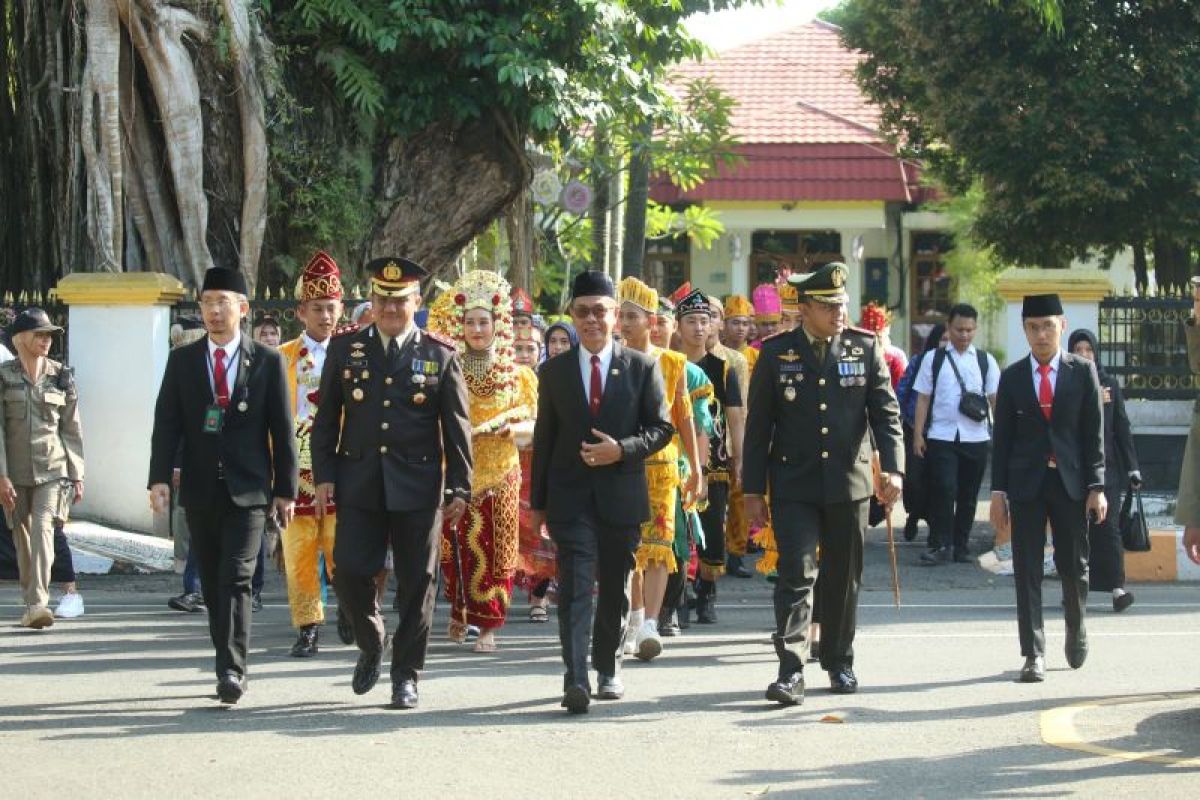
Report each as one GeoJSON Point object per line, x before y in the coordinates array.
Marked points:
{"type": "Point", "coordinates": [788, 690]}
{"type": "Point", "coordinates": [306, 644]}
{"type": "Point", "coordinates": [366, 672]}
{"type": "Point", "coordinates": [734, 567]}
{"type": "Point", "coordinates": [1034, 670]}
{"type": "Point", "coordinates": [814, 652]}
{"type": "Point", "coordinates": [1122, 602]}
{"type": "Point", "coordinates": [842, 681]}
{"type": "Point", "coordinates": [231, 687]}
{"type": "Point", "coordinates": [576, 700]}
{"type": "Point", "coordinates": [910, 529]}
{"type": "Point", "coordinates": [404, 694]}
{"type": "Point", "coordinates": [344, 629]}
{"type": "Point", "coordinates": [609, 687]}
{"type": "Point", "coordinates": [934, 558]}
{"type": "Point", "coordinates": [962, 557]}
{"type": "Point", "coordinates": [668, 624]}
{"type": "Point", "coordinates": [1077, 647]}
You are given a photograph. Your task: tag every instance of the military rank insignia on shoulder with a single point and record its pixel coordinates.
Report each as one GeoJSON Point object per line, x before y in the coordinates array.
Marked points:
{"type": "Point", "coordinates": [347, 329]}
{"type": "Point", "coordinates": [860, 331]}
{"type": "Point", "coordinates": [440, 338]}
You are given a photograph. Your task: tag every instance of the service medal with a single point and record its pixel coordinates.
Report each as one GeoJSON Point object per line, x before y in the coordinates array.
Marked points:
{"type": "Point", "coordinates": [366, 374]}
{"type": "Point", "coordinates": [418, 379]}
{"type": "Point", "coordinates": [789, 393]}
{"type": "Point", "coordinates": [242, 406]}
{"type": "Point", "coordinates": [357, 394]}
{"type": "Point", "coordinates": [346, 374]}
{"type": "Point", "coordinates": [419, 398]}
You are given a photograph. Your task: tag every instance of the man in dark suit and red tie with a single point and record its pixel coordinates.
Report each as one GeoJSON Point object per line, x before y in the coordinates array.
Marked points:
{"type": "Point", "coordinates": [225, 400]}
{"type": "Point", "coordinates": [601, 412]}
{"type": "Point", "coordinates": [1048, 465]}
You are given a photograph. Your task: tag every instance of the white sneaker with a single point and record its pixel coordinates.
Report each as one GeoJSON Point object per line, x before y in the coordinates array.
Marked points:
{"type": "Point", "coordinates": [649, 645]}
{"type": "Point", "coordinates": [630, 645]}
{"type": "Point", "coordinates": [70, 606]}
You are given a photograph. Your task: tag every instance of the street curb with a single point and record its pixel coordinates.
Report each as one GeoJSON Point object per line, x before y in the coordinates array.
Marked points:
{"type": "Point", "coordinates": [123, 550]}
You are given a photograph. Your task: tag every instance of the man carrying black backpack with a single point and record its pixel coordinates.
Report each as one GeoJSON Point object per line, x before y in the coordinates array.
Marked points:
{"type": "Point", "coordinates": [952, 431]}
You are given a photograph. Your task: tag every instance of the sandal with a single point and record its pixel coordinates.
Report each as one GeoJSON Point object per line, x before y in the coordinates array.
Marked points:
{"type": "Point", "coordinates": [484, 647]}
{"type": "Point", "coordinates": [456, 632]}
{"type": "Point", "coordinates": [538, 614]}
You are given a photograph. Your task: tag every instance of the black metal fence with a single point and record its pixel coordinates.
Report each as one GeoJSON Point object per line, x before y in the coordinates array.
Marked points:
{"type": "Point", "coordinates": [1142, 342]}
{"type": "Point", "coordinates": [10, 307]}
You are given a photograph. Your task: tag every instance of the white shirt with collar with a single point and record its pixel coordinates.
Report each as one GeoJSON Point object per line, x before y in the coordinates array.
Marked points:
{"type": "Point", "coordinates": [401, 339]}
{"type": "Point", "coordinates": [232, 359]}
{"type": "Point", "coordinates": [585, 368]}
{"type": "Point", "coordinates": [946, 422]}
{"type": "Point", "coordinates": [1037, 376]}
{"type": "Point", "coordinates": [317, 351]}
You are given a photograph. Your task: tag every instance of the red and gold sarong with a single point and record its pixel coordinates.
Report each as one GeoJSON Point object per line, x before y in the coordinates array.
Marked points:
{"type": "Point", "coordinates": [484, 549]}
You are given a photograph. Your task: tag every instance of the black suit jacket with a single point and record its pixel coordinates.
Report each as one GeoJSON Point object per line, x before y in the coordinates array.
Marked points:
{"type": "Point", "coordinates": [633, 411]}
{"type": "Point", "coordinates": [811, 426]}
{"type": "Point", "coordinates": [256, 448]}
{"type": "Point", "coordinates": [1022, 439]}
{"type": "Point", "coordinates": [386, 440]}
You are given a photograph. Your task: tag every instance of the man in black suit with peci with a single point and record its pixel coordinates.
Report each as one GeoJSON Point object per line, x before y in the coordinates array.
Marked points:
{"type": "Point", "coordinates": [601, 412]}
{"type": "Point", "coordinates": [1048, 465]}
{"type": "Point", "coordinates": [225, 399]}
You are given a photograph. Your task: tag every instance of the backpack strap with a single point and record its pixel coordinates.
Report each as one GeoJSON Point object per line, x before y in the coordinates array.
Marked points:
{"type": "Point", "coordinates": [939, 356]}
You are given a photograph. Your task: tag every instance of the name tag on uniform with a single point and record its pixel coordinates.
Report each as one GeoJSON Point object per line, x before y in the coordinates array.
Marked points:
{"type": "Point", "coordinates": [791, 368]}
{"type": "Point", "coordinates": [214, 419]}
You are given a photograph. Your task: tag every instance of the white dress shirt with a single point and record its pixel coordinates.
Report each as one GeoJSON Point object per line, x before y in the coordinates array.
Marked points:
{"type": "Point", "coordinates": [232, 357]}
{"type": "Point", "coordinates": [1052, 377]}
{"type": "Point", "coordinates": [401, 339]}
{"type": "Point", "coordinates": [585, 368]}
{"type": "Point", "coordinates": [945, 420]}
{"type": "Point", "coordinates": [317, 351]}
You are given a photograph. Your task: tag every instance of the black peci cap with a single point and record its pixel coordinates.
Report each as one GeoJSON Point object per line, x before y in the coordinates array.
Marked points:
{"type": "Point", "coordinates": [593, 283]}
{"type": "Point", "coordinates": [219, 279]}
{"type": "Point", "coordinates": [1041, 305]}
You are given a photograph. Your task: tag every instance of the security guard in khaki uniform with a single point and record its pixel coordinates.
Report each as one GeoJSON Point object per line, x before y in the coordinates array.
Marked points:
{"type": "Point", "coordinates": [818, 396]}
{"type": "Point", "coordinates": [392, 437]}
{"type": "Point", "coordinates": [41, 454]}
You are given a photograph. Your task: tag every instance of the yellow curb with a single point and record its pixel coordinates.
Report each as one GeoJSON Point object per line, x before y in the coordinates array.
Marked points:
{"type": "Point", "coordinates": [1058, 729]}
{"type": "Point", "coordinates": [1159, 564]}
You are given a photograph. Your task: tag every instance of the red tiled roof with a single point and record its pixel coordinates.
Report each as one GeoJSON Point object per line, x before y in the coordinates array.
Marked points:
{"type": "Point", "coordinates": [807, 131]}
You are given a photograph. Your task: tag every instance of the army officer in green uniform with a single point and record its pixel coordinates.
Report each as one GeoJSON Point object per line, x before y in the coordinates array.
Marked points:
{"type": "Point", "coordinates": [818, 397]}
{"type": "Point", "coordinates": [392, 437]}
{"type": "Point", "coordinates": [41, 455]}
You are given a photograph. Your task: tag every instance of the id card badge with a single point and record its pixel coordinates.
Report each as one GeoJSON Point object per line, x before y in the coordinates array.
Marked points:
{"type": "Point", "coordinates": [214, 419]}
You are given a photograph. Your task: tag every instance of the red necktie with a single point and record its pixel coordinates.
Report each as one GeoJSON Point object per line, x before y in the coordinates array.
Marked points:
{"type": "Point", "coordinates": [596, 389]}
{"type": "Point", "coordinates": [1045, 391]}
{"type": "Point", "coordinates": [222, 386]}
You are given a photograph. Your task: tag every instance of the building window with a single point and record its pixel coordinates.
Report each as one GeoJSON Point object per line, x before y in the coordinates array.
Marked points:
{"type": "Point", "coordinates": [795, 251]}
{"type": "Point", "coordinates": [931, 288]}
{"type": "Point", "coordinates": [668, 263]}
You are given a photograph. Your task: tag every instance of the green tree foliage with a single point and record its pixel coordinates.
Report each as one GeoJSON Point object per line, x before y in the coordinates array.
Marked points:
{"type": "Point", "coordinates": [551, 64]}
{"type": "Point", "coordinates": [1080, 121]}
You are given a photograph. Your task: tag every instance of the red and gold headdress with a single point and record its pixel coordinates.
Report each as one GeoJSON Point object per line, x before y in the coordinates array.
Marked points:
{"type": "Point", "coordinates": [875, 318]}
{"type": "Point", "coordinates": [487, 290]}
{"type": "Point", "coordinates": [321, 279]}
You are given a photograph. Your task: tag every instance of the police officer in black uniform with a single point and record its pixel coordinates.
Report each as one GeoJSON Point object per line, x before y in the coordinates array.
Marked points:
{"type": "Point", "coordinates": [392, 438]}
{"type": "Point", "coordinates": [818, 396]}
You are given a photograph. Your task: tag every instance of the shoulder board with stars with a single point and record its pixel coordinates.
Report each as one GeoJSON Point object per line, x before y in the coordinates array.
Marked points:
{"type": "Point", "coordinates": [347, 329]}
{"type": "Point", "coordinates": [440, 338]}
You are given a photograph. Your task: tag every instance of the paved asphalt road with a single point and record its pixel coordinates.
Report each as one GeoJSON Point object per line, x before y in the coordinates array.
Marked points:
{"type": "Point", "coordinates": [120, 704]}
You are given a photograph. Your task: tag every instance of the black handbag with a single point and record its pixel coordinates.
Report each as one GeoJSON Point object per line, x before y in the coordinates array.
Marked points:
{"type": "Point", "coordinates": [1135, 535]}
{"type": "Point", "coordinates": [972, 405]}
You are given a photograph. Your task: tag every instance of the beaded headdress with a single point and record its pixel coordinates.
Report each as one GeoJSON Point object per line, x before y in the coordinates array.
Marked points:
{"type": "Point", "coordinates": [487, 290]}
{"type": "Point", "coordinates": [321, 279]}
{"type": "Point", "coordinates": [632, 290]}
{"type": "Point", "coordinates": [738, 306]}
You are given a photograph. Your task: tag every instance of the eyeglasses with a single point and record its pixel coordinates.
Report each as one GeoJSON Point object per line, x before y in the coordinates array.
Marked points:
{"type": "Point", "coordinates": [224, 304]}
{"type": "Point", "coordinates": [597, 311]}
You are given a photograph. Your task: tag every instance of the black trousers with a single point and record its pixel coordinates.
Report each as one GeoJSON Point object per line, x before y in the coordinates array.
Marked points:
{"type": "Point", "coordinates": [225, 539]}
{"type": "Point", "coordinates": [1068, 528]}
{"type": "Point", "coordinates": [916, 485]}
{"type": "Point", "coordinates": [712, 520]}
{"type": "Point", "coordinates": [589, 553]}
{"type": "Point", "coordinates": [839, 530]}
{"type": "Point", "coordinates": [360, 550]}
{"type": "Point", "coordinates": [954, 471]}
{"type": "Point", "coordinates": [1106, 554]}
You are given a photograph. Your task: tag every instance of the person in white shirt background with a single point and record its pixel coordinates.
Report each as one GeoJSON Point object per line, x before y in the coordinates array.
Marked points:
{"type": "Point", "coordinates": [954, 445]}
